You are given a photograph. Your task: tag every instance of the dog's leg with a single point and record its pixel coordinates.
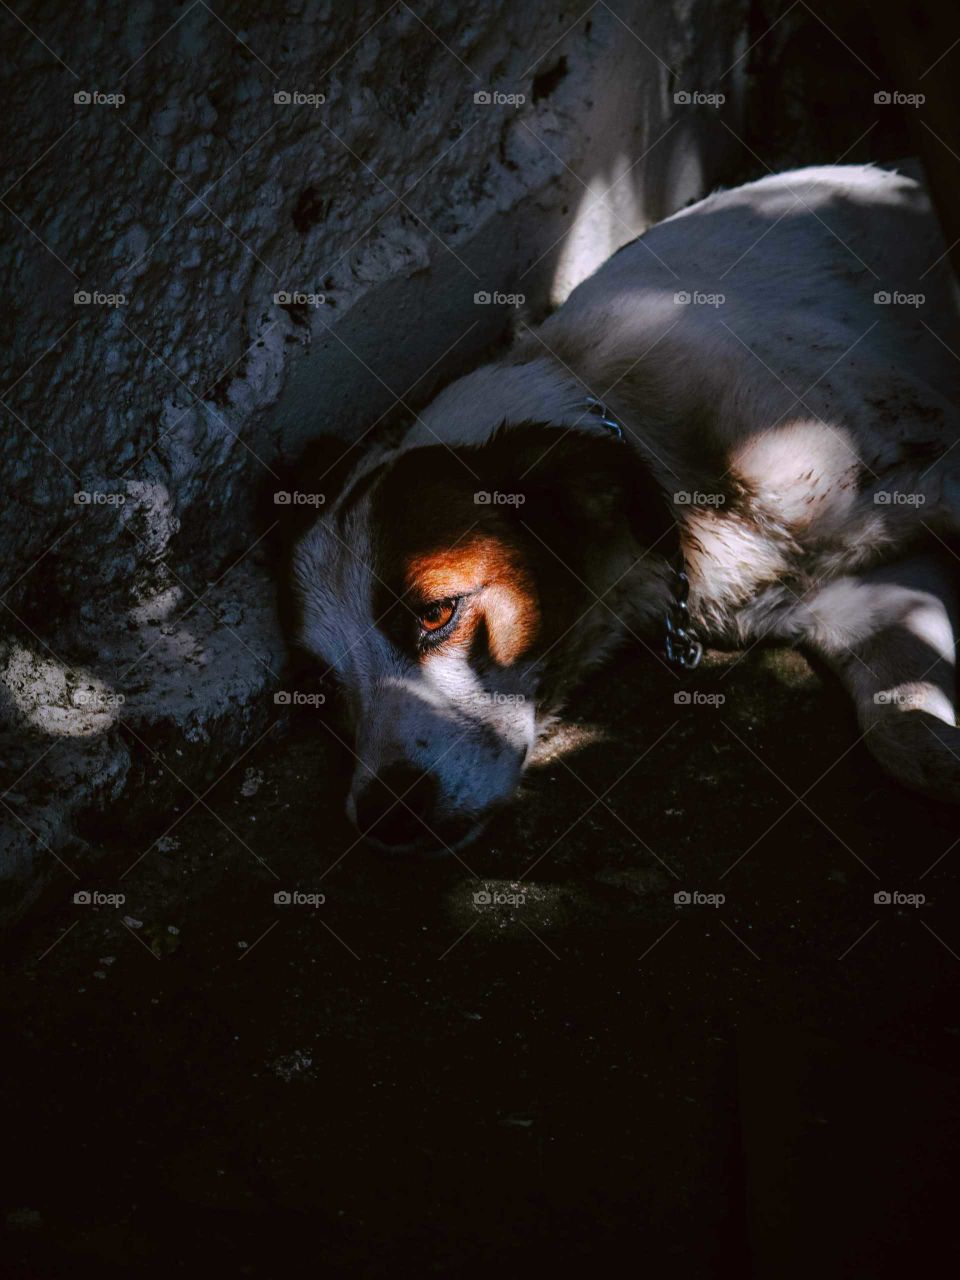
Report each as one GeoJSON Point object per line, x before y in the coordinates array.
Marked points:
{"type": "Point", "coordinates": [890, 635]}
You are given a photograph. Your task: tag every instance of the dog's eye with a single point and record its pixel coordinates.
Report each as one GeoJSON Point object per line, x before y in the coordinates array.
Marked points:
{"type": "Point", "coordinates": [438, 615]}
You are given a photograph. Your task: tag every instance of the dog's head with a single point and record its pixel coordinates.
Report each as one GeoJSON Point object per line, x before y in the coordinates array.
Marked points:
{"type": "Point", "coordinates": [454, 593]}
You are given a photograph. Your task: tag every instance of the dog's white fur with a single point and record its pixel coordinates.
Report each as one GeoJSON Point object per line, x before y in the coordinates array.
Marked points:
{"type": "Point", "coordinates": [798, 393]}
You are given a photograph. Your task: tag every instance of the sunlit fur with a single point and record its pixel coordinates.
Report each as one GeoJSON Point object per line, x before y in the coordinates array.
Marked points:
{"type": "Point", "coordinates": [507, 603]}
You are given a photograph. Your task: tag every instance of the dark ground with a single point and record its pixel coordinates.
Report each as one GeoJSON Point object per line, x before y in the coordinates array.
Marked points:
{"type": "Point", "coordinates": [595, 1074]}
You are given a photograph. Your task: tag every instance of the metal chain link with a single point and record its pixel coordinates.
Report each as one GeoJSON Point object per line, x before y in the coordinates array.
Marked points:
{"type": "Point", "coordinates": [681, 645]}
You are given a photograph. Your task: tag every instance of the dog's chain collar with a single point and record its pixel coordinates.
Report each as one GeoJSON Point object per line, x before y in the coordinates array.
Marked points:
{"type": "Point", "coordinates": [680, 644]}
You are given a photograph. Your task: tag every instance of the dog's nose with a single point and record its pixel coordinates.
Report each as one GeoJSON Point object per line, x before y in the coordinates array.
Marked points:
{"type": "Point", "coordinates": [394, 808]}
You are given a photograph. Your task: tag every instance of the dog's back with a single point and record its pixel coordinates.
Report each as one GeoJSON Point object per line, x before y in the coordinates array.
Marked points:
{"type": "Point", "coordinates": [825, 284]}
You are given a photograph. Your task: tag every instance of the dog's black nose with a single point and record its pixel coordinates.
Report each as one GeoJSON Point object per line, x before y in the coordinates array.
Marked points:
{"type": "Point", "coordinates": [395, 806]}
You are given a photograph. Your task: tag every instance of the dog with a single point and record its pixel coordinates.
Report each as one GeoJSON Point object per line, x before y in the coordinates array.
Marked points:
{"type": "Point", "coordinates": [741, 428]}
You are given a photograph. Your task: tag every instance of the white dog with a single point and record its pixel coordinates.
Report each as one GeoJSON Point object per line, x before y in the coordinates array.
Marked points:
{"type": "Point", "coordinates": [754, 403]}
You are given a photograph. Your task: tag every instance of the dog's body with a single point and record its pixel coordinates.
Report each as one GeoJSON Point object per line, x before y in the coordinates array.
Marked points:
{"type": "Point", "coordinates": [793, 430]}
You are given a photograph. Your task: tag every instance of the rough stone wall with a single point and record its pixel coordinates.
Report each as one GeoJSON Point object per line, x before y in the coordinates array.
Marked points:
{"type": "Point", "coordinates": [281, 216]}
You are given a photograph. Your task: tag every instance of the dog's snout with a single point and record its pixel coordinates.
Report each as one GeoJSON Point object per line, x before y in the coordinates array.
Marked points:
{"type": "Point", "coordinates": [395, 806]}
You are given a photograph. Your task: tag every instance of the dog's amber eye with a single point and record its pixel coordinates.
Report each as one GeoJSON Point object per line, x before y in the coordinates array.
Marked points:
{"type": "Point", "coordinates": [436, 616]}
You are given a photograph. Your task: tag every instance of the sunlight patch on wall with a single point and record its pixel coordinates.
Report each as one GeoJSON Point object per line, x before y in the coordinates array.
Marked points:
{"type": "Point", "coordinates": [608, 216]}
{"type": "Point", "coordinates": [65, 703]}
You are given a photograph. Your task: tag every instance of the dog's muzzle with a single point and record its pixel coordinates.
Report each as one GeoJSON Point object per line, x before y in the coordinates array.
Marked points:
{"type": "Point", "coordinates": [399, 811]}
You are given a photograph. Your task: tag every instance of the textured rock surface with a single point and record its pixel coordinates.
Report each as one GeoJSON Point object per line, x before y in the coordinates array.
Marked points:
{"type": "Point", "coordinates": [138, 425]}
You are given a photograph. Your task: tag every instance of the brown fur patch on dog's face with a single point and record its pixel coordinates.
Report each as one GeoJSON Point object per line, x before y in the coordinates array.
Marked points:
{"type": "Point", "coordinates": [518, 567]}
{"type": "Point", "coordinates": [493, 586]}
{"type": "Point", "coordinates": [436, 543]}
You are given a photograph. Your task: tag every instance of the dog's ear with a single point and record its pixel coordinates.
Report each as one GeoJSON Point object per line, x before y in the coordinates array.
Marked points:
{"type": "Point", "coordinates": [296, 491]}
{"type": "Point", "coordinates": [577, 484]}
{"type": "Point", "coordinates": [291, 498]}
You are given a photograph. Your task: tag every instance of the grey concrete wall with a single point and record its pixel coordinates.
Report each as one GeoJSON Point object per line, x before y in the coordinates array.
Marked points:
{"type": "Point", "coordinates": [140, 650]}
